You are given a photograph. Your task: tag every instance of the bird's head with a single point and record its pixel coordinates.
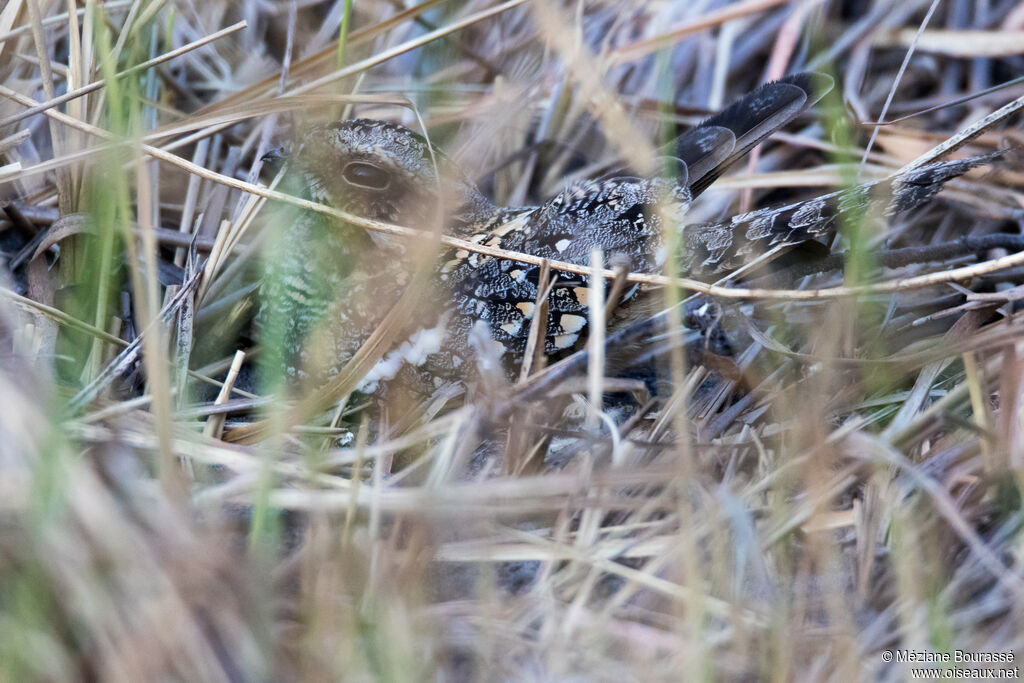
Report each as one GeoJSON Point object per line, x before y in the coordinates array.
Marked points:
{"type": "Point", "coordinates": [382, 171]}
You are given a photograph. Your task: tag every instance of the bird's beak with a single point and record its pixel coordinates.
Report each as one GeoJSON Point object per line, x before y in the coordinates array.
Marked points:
{"type": "Point", "coordinates": [274, 159]}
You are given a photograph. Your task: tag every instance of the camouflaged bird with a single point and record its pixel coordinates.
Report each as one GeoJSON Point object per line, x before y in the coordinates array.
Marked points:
{"type": "Point", "coordinates": [333, 283]}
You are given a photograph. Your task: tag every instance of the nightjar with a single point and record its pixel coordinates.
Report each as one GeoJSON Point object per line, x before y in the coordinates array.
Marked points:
{"type": "Point", "coordinates": [329, 284]}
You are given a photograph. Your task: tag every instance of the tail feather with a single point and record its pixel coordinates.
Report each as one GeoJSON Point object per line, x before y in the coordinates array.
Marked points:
{"type": "Point", "coordinates": [716, 247]}
{"type": "Point", "coordinates": [709, 148]}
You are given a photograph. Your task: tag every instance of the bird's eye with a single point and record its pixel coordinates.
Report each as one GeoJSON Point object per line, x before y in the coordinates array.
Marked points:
{"type": "Point", "coordinates": [366, 175]}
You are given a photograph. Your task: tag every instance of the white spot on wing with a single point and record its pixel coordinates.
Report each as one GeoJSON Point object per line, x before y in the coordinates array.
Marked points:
{"type": "Point", "coordinates": [572, 323]}
{"type": "Point", "coordinates": [564, 341]}
{"type": "Point", "coordinates": [526, 308]}
{"type": "Point", "coordinates": [516, 224]}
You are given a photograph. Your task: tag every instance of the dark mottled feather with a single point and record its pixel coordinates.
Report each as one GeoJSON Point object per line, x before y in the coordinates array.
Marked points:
{"type": "Point", "coordinates": [710, 148]}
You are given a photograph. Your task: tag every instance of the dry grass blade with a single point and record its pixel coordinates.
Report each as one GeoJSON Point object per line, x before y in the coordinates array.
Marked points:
{"type": "Point", "coordinates": [533, 355]}
{"type": "Point", "coordinates": [646, 46]}
{"type": "Point", "coordinates": [595, 369]}
{"type": "Point", "coordinates": [92, 87]}
{"type": "Point", "coordinates": [128, 356]}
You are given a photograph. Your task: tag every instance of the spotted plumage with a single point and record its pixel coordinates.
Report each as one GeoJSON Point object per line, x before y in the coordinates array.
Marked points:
{"type": "Point", "coordinates": [329, 285]}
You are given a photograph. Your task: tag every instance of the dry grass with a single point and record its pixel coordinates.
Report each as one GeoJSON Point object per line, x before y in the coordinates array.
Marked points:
{"type": "Point", "coordinates": [848, 483]}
